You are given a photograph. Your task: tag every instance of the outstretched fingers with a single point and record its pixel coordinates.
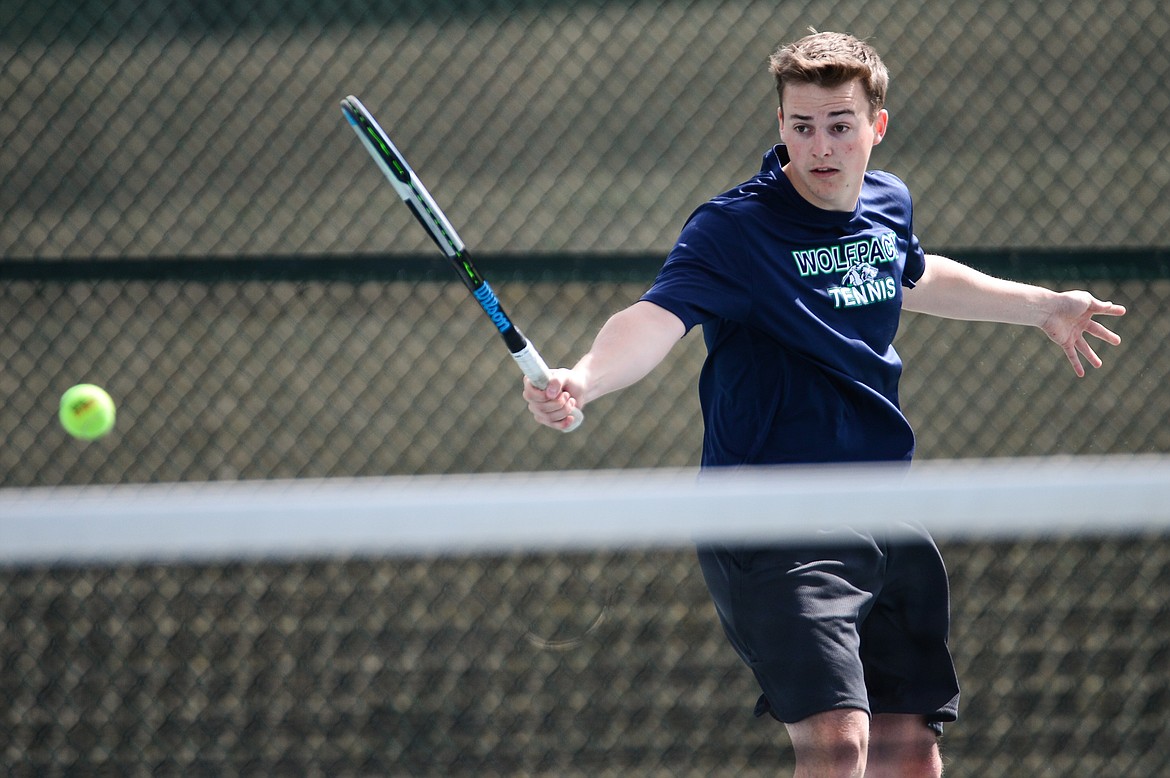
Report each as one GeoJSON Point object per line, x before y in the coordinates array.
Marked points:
{"type": "Point", "coordinates": [1071, 323]}
{"type": "Point", "coordinates": [1082, 347]}
{"type": "Point", "coordinates": [1099, 330]}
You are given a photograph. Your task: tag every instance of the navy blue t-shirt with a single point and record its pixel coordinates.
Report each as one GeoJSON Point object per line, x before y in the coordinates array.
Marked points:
{"type": "Point", "coordinates": [799, 307]}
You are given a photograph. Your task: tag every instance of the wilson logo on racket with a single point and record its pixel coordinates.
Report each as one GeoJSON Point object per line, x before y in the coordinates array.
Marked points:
{"type": "Point", "coordinates": [491, 306]}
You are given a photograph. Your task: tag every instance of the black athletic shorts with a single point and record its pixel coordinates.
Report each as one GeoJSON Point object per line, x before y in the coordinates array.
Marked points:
{"type": "Point", "coordinates": [859, 621]}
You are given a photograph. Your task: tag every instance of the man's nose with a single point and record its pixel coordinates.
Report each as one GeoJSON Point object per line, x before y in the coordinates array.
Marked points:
{"type": "Point", "coordinates": [821, 147]}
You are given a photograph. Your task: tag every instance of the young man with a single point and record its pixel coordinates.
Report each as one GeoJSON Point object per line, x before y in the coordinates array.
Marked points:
{"type": "Point", "coordinates": [798, 277]}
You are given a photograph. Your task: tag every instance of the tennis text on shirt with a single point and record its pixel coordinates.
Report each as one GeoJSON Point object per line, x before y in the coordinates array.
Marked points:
{"type": "Point", "coordinates": [858, 262]}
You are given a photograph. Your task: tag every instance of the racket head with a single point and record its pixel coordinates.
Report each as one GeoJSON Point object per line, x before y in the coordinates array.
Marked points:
{"type": "Point", "coordinates": [402, 177]}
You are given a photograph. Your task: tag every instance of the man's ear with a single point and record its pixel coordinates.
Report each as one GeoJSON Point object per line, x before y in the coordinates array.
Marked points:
{"type": "Point", "coordinates": [879, 126]}
{"type": "Point", "coordinates": [780, 119]}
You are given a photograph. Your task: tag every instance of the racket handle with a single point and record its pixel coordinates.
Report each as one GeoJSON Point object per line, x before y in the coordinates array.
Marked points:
{"type": "Point", "coordinates": [537, 371]}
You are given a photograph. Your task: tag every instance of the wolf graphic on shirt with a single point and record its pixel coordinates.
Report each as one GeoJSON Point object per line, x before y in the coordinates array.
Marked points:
{"type": "Point", "coordinates": [859, 274]}
{"type": "Point", "coordinates": [861, 285]}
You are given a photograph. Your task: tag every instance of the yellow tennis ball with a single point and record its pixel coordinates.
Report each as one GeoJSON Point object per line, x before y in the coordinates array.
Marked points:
{"type": "Point", "coordinates": [87, 411]}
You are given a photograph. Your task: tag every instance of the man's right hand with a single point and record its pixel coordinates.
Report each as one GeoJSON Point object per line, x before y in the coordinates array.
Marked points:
{"type": "Point", "coordinates": [554, 405]}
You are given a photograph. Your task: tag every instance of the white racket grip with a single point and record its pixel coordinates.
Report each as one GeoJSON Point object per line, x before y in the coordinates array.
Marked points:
{"type": "Point", "coordinates": [537, 371]}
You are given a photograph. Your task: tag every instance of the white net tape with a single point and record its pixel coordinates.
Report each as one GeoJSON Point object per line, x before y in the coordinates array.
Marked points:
{"type": "Point", "coordinates": [409, 516]}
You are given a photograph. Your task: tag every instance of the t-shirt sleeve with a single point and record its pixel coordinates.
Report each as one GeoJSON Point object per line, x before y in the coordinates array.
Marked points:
{"type": "Point", "coordinates": [915, 263]}
{"type": "Point", "coordinates": [915, 256]}
{"type": "Point", "coordinates": [707, 274]}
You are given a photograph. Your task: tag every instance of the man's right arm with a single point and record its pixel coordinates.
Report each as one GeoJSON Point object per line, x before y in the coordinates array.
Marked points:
{"type": "Point", "coordinates": [631, 344]}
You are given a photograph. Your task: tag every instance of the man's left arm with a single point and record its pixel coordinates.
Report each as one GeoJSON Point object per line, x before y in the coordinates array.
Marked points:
{"type": "Point", "coordinates": [955, 291]}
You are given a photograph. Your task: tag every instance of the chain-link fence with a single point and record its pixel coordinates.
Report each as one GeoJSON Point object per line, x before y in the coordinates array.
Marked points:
{"type": "Point", "coordinates": [168, 130]}
{"type": "Point", "coordinates": [161, 128]}
{"type": "Point", "coordinates": [422, 668]}
{"type": "Point", "coordinates": [284, 379]}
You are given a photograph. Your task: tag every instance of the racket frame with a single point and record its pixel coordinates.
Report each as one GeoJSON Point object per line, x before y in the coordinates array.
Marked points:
{"type": "Point", "coordinates": [428, 213]}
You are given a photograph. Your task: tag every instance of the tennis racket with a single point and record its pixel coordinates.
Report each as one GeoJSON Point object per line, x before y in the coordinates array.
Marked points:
{"type": "Point", "coordinates": [410, 188]}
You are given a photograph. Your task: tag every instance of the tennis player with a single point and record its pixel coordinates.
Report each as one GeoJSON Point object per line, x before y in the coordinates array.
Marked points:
{"type": "Point", "coordinates": [798, 277]}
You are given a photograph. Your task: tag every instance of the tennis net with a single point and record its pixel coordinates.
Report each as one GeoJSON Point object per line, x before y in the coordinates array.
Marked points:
{"type": "Point", "coordinates": [553, 624]}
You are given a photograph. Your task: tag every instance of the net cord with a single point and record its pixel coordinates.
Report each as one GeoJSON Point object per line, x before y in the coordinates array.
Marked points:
{"type": "Point", "coordinates": [541, 512]}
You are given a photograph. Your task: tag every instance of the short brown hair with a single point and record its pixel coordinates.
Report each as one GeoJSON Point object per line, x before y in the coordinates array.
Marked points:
{"type": "Point", "coordinates": [830, 59]}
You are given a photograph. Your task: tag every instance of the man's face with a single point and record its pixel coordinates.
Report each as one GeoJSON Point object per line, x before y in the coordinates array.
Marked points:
{"type": "Point", "coordinates": [829, 136]}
